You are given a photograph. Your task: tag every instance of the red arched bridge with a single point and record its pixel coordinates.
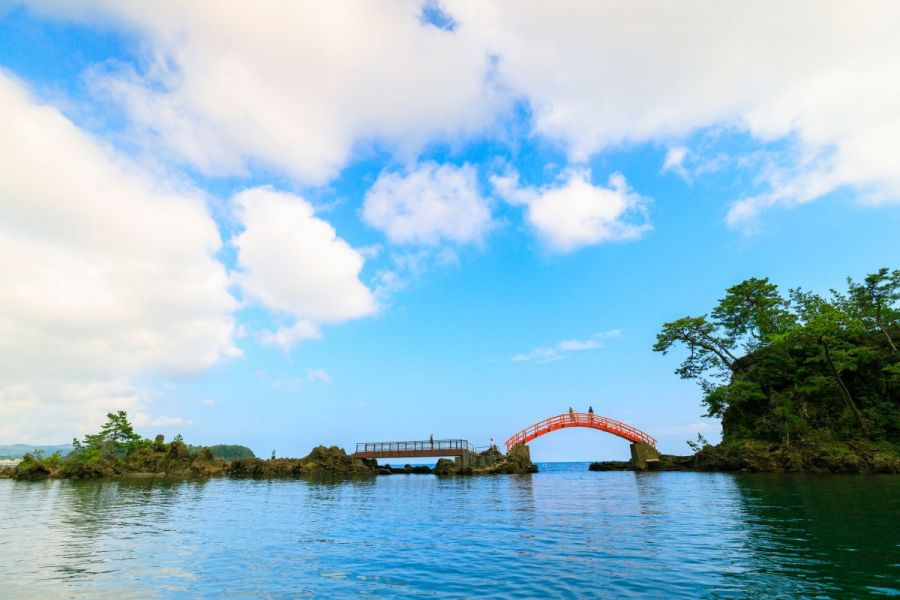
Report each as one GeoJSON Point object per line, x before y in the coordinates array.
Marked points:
{"type": "Point", "coordinates": [578, 419]}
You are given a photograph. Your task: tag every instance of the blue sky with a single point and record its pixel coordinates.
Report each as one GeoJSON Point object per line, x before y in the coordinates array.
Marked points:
{"type": "Point", "coordinates": [291, 225]}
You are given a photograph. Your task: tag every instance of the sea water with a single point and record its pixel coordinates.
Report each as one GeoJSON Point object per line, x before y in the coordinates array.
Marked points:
{"type": "Point", "coordinates": [564, 532]}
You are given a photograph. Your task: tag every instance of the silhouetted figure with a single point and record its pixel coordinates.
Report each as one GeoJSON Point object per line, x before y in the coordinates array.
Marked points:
{"type": "Point", "coordinates": [571, 413]}
{"type": "Point", "coordinates": [591, 413]}
{"type": "Point", "coordinates": [431, 440]}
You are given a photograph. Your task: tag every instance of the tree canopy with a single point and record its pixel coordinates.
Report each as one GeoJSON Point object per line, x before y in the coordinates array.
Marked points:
{"type": "Point", "coordinates": [803, 365]}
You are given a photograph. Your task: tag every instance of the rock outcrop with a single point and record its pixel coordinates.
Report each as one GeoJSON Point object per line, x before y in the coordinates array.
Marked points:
{"type": "Point", "coordinates": [518, 461]}
{"type": "Point", "coordinates": [332, 461]}
{"type": "Point", "coordinates": [763, 457]}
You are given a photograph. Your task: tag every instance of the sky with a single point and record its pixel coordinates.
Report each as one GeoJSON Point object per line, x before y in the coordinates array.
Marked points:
{"type": "Point", "coordinates": [291, 224]}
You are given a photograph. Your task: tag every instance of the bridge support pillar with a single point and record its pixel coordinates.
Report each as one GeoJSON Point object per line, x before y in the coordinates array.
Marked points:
{"type": "Point", "coordinates": [642, 454]}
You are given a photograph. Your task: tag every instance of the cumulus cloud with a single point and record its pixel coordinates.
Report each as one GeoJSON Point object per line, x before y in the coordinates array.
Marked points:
{"type": "Point", "coordinates": [823, 78]}
{"type": "Point", "coordinates": [53, 410]}
{"type": "Point", "coordinates": [294, 264]}
{"type": "Point", "coordinates": [561, 350]}
{"type": "Point", "coordinates": [292, 84]}
{"type": "Point", "coordinates": [298, 85]}
{"type": "Point", "coordinates": [107, 273]}
{"type": "Point", "coordinates": [574, 212]}
{"type": "Point", "coordinates": [428, 205]}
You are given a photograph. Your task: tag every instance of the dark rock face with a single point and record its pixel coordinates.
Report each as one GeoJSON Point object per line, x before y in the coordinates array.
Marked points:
{"type": "Point", "coordinates": [611, 465]}
{"type": "Point", "coordinates": [445, 466]}
{"type": "Point", "coordinates": [518, 461]}
{"type": "Point", "coordinates": [321, 461]}
{"type": "Point", "coordinates": [812, 457]}
{"type": "Point", "coordinates": [405, 469]}
{"type": "Point", "coordinates": [30, 469]}
{"type": "Point", "coordinates": [764, 457]}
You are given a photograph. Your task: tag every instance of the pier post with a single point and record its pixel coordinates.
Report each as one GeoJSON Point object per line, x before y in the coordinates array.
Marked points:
{"type": "Point", "coordinates": [641, 454]}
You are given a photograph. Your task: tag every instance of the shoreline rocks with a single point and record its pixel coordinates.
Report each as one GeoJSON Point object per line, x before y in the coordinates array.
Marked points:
{"type": "Point", "coordinates": [752, 456]}
{"type": "Point", "coordinates": [490, 462]}
{"type": "Point", "coordinates": [321, 461]}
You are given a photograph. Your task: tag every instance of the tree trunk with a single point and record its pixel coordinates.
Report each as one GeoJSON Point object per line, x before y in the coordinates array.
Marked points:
{"type": "Point", "coordinates": [883, 329]}
{"type": "Point", "coordinates": [718, 352]}
{"type": "Point", "coordinates": [845, 392]}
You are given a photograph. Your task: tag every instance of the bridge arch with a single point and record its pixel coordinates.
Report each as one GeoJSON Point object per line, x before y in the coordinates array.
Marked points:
{"type": "Point", "coordinates": [589, 420]}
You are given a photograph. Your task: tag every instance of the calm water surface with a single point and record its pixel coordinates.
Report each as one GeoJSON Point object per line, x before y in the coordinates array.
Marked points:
{"type": "Point", "coordinates": [564, 532]}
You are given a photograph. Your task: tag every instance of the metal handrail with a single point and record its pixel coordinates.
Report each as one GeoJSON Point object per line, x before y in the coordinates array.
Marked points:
{"type": "Point", "coordinates": [578, 419]}
{"type": "Point", "coordinates": [414, 445]}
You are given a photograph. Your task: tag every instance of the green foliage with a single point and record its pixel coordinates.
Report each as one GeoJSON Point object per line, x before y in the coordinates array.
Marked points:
{"type": "Point", "coordinates": [710, 349]}
{"type": "Point", "coordinates": [699, 445]}
{"type": "Point", "coordinates": [811, 367]}
{"type": "Point", "coordinates": [116, 436]}
{"type": "Point", "coordinates": [31, 467]}
{"type": "Point", "coordinates": [117, 450]}
{"type": "Point", "coordinates": [753, 311]}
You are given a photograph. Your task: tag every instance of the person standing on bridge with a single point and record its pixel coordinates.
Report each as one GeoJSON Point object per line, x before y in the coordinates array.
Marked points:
{"type": "Point", "coordinates": [591, 413]}
{"type": "Point", "coordinates": [571, 413]}
{"type": "Point", "coordinates": [431, 441]}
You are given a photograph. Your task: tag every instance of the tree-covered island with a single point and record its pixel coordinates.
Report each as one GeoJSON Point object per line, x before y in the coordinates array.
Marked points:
{"type": "Point", "coordinates": [802, 382]}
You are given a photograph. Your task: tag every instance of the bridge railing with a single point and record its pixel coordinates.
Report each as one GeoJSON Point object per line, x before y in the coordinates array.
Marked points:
{"type": "Point", "coordinates": [415, 445]}
{"type": "Point", "coordinates": [580, 419]}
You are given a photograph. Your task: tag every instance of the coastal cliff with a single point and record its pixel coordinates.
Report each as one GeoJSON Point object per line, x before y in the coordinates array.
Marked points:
{"type": "Point", "coordinates": [802, 383]}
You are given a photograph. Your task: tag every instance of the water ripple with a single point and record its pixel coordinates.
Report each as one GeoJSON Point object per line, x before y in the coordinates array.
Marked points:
{"type": "Point", "coordinates": [564, 532]}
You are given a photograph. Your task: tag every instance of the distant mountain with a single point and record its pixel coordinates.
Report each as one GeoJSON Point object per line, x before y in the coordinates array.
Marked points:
{"type": "Point", "coordinates": [20, 450]}
{"type": "Point", "coordinates": [223, 451]}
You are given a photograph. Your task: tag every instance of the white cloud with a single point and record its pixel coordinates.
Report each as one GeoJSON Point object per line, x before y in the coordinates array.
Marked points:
{"type": "Point", "coordinates": [107, 273]}
{"type": "Point", "coordinates": [318, 376]}
{"type": "Point", "coordinates": [293, 263]}
{"type": "Point", "coordinates": [288, 337]}
{"type": "Point", "coordinates": [164, 421]}
{"type": "Point", "coordinates": [295, 85]}
{"type": "Point", "coordinates": [674, 161]}
{"type": "Point", "coordinates": [576, 213]}
{"type": "Point", "coordinates": [428, 205]}
{"type": "Point", "coordinates": [824, 77]}
{"type": "Point", "coordinates": [55, 411]}
{"type": "Point", "coordinates": [298, 85]}
{"type": "Point", "coordinates": [561, 350]}
{"type": "Point", "coordinates": [208, 402]}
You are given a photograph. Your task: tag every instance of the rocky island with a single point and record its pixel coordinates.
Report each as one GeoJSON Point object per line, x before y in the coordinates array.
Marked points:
{"type": "Point", "coordinates": [802, 383]}
{"type": "Point", "coordinates": [117, 451]}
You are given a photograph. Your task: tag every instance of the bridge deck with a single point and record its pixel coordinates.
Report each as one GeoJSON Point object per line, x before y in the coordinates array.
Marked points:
{"type": "Point", "coordinates": [412, 449]}
{"type": "Point", "coordinates": [579, 419]}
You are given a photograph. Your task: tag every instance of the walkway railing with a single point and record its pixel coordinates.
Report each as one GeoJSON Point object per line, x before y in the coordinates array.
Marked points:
{"type": "Point", "coordinates": [580, 419]}
{"type": "Point", "coordinates": [412, 448]}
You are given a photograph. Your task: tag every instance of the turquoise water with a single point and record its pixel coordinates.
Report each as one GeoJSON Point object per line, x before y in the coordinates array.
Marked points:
{"type": "Point", "coordinates": [565, 532]}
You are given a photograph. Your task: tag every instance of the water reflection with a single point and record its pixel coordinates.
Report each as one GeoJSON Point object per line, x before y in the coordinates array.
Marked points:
{"type": "Point", "coordinates": [562, 532]}
{"type": "Point", "coordinates": [836, 534]}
